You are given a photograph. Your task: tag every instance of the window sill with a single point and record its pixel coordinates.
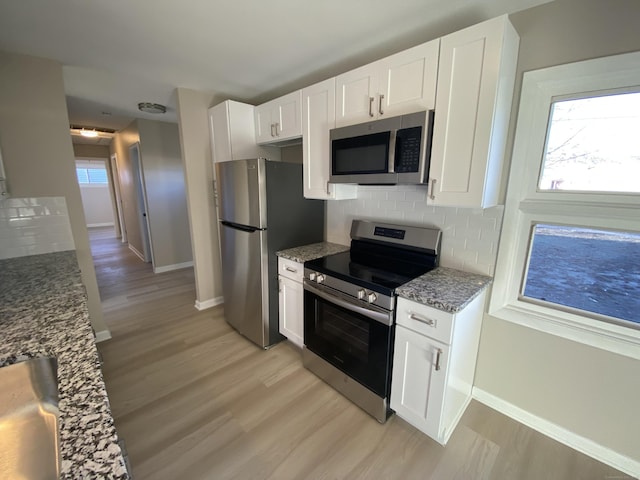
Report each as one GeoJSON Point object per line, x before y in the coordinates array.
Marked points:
{"type": "Point", "coordinates": [595, 333]}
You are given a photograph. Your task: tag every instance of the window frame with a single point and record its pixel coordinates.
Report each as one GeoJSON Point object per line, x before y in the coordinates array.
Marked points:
{"type": "Point", "coordinates": [527, 205]}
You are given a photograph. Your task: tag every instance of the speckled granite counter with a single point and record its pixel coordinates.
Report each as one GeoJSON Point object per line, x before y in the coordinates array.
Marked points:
{"type": "Point", "coordinates": [43, 311]}
{"type": "Point", "coordinates": [311, 252]}
{"type": "Point", "coordinates": [445, 288]}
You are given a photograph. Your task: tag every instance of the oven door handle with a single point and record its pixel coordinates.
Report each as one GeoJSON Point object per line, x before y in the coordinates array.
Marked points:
{"type": "Point", "coordinates": [380, 317]}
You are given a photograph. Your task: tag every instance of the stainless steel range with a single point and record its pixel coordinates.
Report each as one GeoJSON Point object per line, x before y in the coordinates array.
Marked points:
{"type": "Point", "coordinates": [349, 308]}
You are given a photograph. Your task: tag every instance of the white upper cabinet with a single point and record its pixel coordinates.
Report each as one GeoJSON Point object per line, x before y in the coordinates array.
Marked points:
{"type": "Point", "coordinates": [279, 120]}
{"type": "Point", "coordinates": [318, 117]}
{"type": "Point", "coordinates": [399, 84]}
{"type": "Point", "coordinates": [233, 133]}
{"type": "Point", "coordinates": [476, 76]}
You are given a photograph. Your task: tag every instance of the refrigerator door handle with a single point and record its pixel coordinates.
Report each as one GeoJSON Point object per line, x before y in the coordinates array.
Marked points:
{"type": "Point", "coordinates": [237, 226]}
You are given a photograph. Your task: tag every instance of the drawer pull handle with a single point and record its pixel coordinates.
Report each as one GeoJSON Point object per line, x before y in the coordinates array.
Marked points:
{"type": "Point", "coordinates": [439, 353]}
{"type": "Point", "coordinates": [292, 270]}
{"type": "Point", "coordinates": [428, 321]}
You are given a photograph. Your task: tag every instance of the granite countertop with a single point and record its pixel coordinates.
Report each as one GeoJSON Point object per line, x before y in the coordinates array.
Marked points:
{"type": "Point", "coordinates": [446, 289]}
{"type": "Point", "coordinates": [311, 252]}
{"type": "Point", "coordinates": [43, 312]}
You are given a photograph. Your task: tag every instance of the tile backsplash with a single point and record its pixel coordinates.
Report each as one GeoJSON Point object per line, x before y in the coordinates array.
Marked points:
{"type": "Point", "coordinates": [469, 236]}
{"type": "Point", "coordinates": [31, 226]}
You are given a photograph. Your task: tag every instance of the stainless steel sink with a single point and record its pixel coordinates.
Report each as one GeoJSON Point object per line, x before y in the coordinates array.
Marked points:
{"type": "Point", "coordinates": [29, 420]}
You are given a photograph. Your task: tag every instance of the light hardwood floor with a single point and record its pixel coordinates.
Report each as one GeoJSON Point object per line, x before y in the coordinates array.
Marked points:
{"type": "Point", "coordinates": [194, 400]}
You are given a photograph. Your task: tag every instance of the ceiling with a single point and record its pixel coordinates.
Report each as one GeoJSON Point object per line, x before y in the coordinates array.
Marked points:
{"type": "Point", "coordinates": [117, 53]}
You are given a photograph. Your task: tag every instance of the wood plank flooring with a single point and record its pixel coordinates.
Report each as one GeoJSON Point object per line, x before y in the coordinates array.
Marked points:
{"type": "Point", "coordinates": [194, 400]}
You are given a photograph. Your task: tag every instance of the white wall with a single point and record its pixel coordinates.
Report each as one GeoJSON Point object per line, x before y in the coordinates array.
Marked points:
{"type": "Point", "coordinates": [469, 236]}
{"type": "Point", "coordinates": [32, 99]}
{"type": "Point", "coordinates": [96, 198]}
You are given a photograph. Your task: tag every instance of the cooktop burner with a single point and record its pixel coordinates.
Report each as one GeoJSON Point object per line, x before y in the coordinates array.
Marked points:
{"type": "Point", "coordinates": [382, 257]}
{"type": "Point", "coordinates": [343, 266]}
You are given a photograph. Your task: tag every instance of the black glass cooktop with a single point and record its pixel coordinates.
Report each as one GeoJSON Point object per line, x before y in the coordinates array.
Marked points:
{"type": "Point", "coordinates": [370, 270]}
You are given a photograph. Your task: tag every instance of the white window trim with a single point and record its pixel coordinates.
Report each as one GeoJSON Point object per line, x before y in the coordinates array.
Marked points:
{"type": "Point", "coordinates": [525, 205]}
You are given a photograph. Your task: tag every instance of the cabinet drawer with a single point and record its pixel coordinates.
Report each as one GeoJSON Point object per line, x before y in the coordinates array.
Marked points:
{"type": "Point", "coordinates": [290, 269]}
{"type": "Point", "coordinates": [428, 321]}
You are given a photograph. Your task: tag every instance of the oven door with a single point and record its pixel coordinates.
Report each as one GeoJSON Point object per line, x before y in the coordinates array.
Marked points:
{"type": "Point", "coordinates": [355, 338]}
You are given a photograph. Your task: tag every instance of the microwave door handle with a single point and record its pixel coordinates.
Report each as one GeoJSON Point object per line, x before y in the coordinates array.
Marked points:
{"type": "Point", "coordinates": [392, 151]}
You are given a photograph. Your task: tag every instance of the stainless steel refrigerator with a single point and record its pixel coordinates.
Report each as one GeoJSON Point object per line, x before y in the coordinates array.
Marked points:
{"type": "Point", "coordinates": [261, 210]}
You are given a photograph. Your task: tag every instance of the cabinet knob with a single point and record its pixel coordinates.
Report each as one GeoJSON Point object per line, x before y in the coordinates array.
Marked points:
{"type": "Point", "coordinates": [380, 105]}
{"type": "Point", "coordinates": [272, 126]}
{"type": "Point", "coordinates": [289, 269]}
{"type": "Point", "coordinates": [371, 99]}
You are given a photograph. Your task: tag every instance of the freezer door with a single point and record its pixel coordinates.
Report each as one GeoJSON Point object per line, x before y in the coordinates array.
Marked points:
{"type": "Point", "coordinates": [241, 192]}
{"type": "Point", "coordinates": [244, 281]}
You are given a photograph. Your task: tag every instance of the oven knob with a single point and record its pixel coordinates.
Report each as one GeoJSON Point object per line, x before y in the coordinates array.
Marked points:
{"type": "Point", "coordinates": [312, 276]}
{"type": "Point", "coordinates": [361, 294]}
{"type": "Point", "coordinates": [372, 297]}
{"type": "Point", "coordinates": [320, 278]}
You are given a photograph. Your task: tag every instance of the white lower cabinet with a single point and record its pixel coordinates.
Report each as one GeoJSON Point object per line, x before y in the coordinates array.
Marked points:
{"type": "Point", "coordinates": [290, 300]}
{"type": "Point", "coordinates": [434, 364]}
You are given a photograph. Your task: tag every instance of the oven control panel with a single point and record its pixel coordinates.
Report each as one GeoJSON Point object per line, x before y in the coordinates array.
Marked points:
{"type": "Point", "coordinates": [348, 288]}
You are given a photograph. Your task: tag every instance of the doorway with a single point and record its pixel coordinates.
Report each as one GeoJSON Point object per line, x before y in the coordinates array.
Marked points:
{"type": "Point", "coordinates": [141, 201]}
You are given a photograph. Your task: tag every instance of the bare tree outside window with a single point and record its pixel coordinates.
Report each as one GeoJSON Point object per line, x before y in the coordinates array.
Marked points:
{"type": "Point", "coordinates": [593, 145]}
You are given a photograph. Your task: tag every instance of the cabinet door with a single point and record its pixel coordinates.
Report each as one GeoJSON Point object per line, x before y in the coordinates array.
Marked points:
{"type": "Point", "coordinates": [475, 88]}
{"type": "Point", "coordinates": [318, 117]}
{"type": "Point", "coordinates": [418, 382]}
{"type": "Point", "coordinates": [408, 81]}
{"type": "Point", "coordinates": [287, 116]}
{"type": "Point", "coordinates": [263, 123]}
{"type": "Point", "coordinates": [355, 92]}
{"type": "Point", "coordinates": [291, 310]}
{"type": "Point", "coordinates": [220, 132]}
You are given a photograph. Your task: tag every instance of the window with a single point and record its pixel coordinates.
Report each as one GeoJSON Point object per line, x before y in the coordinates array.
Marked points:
{"type": "Point", "coordinates": [91, 173]}
{"type": "Point", "coordinates": [569, 257]}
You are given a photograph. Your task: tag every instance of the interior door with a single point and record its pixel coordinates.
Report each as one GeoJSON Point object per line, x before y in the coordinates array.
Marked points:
{"type": "Point", "coordinates": [141, 197]}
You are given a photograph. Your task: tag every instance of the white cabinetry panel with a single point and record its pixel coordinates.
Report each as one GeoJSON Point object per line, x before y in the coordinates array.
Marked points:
{"type": "Point", "coordinates": [475, 87]}
{"type": "Point", "coordinates": [318, 117]}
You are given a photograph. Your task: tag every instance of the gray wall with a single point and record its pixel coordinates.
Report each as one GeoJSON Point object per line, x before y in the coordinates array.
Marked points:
{"type": "Point", "coordinates": [198, 171]}
{"type": "Point", "coordinates": [582, 389]}
{"type": "Point", "coordinates": [32, 99]}
{"type": "Point", "coordinates": [166, 196]}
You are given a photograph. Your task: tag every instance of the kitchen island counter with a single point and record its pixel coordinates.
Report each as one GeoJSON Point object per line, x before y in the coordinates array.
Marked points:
{"type": "Point", "coordinates": [311, 252]}
{"type": "Point", "coordinates": [43, 312]}
{"type": "Point", "coordinates": [446, 289]}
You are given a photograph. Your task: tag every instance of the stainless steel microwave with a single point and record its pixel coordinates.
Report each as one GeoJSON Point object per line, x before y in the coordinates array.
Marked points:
{"type": "Point", "coordinates": [390, 151]}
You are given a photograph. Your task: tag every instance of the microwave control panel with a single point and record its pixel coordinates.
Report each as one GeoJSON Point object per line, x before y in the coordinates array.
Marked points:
{"type": "Point", "coordinates": [407, 154]}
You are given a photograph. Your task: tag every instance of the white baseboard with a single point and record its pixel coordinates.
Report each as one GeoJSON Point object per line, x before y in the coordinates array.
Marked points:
{"type": "Point", "coordinates": [95, 225]}
{"type": "Point", "coordinates": [103, 335]}
{"type": "Point", "coordinates": [135, 250]}
{"type": "Point", "coordinates": [209, 303]}
{"type": "Point", "coordinates": [584, 445]}
{"type": "Point", "coordinates": [175, 266]}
